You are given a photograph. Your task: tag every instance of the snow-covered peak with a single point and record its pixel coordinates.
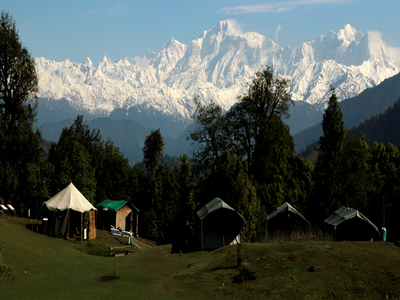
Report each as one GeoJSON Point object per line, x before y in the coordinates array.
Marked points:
{"type": "Point", "coordinates": [173, 43]}
{"type": "Point", "coordinates": [224, 28]}
{"type": "Point", "coordinates": [349, 34]}
{"type": "Point", "coordinates": [88, 62]}
{"type": "Point", "coordinates": [106, 60]}
{"type": "Point", "coordinates": [170, 54]}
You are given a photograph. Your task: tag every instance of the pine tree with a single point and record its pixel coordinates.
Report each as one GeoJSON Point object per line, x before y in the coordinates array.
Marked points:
{"type": "Point", "coordinates": [73, 158]}
{"type": "Point", "coordinates": [152, 154]}
{"type": "Point", "coordinates": [327, 172]}
{"type": "Point", "coordinates": [184, 228]}
{"type": "Point", "coordinates": [153, 150]}
{"type": "Point", "coordinates": [230, 181]}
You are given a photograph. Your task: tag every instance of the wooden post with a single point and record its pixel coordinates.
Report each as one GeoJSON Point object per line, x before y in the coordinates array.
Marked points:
{"type": "Point", "coordinates": [202, 236]}
{"type": "Point", "coordinates": [69, 215]}
{"type": "Point", "coordinates": [137, 224]}
{"type": "Point", "coordinates": [81, 227]}
{"type": "Point", "coordinates": [131, 222]}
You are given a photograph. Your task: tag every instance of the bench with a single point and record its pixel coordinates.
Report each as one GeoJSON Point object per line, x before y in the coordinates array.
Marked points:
{"type": "Point", "coordinates": [115, 231]}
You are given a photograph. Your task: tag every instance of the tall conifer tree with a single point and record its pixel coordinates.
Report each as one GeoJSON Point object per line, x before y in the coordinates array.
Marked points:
{"type": "Point", "coordinates": [20, 142]}
{"type": "Point", "coordinates": [327, 173]}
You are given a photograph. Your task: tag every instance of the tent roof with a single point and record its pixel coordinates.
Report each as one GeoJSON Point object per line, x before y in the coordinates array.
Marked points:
{"type": "Point", "coordinates": [344, 213]}
{"type": "Point", "coordinates": [69, 198]}
{"type": "Point", "coordinates": [115, 205]}
{"type": "Point", "coordinates": [214, 205]}
{"type": "Point", "coordinates": [285, 207]}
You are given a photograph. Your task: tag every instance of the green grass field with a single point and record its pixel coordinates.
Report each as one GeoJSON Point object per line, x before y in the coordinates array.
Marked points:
{"type": "Point", "coordinates": [34, 266]}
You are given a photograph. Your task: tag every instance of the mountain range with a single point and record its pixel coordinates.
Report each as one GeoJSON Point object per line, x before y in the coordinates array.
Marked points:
{"type": "Point", "coordinates": [373, 115]}
{"type": "Point", "coordinates": [157, 90]}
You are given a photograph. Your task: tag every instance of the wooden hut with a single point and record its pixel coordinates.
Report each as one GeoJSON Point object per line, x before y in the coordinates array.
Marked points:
{"type": "Point", "coordinates": [118, 213]}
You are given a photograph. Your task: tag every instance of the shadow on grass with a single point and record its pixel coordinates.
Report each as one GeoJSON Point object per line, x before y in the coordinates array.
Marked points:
{"type": "Point", "coordinates": [109, 278]}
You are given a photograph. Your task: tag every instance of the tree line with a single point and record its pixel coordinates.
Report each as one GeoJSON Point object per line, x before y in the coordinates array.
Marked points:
{"type": "Point", "coordinates": [244, 156]}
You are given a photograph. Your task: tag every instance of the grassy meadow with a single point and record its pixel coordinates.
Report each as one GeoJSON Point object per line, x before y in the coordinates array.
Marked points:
{"type": "Point", "coordinates": [34, 266]}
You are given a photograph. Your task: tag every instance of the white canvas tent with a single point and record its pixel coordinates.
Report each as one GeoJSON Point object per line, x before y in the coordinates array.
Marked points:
{"type": "Point", "coordinates": [62, 204]}
{"type": "Point", "coordinates": [69, 198]}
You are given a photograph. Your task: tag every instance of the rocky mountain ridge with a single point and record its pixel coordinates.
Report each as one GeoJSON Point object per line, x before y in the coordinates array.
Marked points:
{"type": "Point", "coordinates": [216, 66]}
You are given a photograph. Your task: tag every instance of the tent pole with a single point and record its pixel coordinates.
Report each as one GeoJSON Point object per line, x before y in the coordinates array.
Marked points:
{"type": "Point", "coordinates": [69, 215]}
{"type": "Point", "coordinates": [81, 227]}
{"type": "Point", "coordinates": [137, 224]}
{"type": "Point", "coordinates": [335, 233]}
{"type": "Point", "coordinates": [201, 236]}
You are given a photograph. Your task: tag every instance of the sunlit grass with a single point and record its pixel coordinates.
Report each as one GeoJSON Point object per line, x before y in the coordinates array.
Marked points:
{"type": "Point", "coordinates": [56, 269]}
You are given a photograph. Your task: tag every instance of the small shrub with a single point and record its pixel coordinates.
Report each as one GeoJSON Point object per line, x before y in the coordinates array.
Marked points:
{"type": "Point", "coordinates": [98, 248]}
{"type": "Point", "coordinates": [244, 275]}
{"type": "Point", "coordinates": [239, 255]}
{"type": "Point", "coordinates": [6, 270]}
{"type": "Point", "coordinates": [299, 235]}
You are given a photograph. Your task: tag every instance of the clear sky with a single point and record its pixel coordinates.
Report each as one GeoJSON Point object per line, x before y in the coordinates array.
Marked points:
{"type": "Point", "coordinates": [75, 30]}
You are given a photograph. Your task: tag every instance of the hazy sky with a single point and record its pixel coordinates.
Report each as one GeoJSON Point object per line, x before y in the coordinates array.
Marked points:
{"type": "Point", "coordinates": [74, 30]}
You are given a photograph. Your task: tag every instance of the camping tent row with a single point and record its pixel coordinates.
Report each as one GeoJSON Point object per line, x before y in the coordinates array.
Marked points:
{"type": "Point", "coordinates": [353, 224]}
{"type": "Point", "coordinates": [221, 225]}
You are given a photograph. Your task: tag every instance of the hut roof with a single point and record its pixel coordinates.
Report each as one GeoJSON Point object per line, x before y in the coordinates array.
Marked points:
{"type": "Point", "coordinates": [114, 205]}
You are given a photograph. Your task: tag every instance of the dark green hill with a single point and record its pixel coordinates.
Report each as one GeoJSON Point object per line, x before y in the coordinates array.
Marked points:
{"type": "Point", "coordinates": [382, 128]}
{"type": "Point", "coordinates": [128, 135]}
{"type": "Point", "coordinates": [356, 110]}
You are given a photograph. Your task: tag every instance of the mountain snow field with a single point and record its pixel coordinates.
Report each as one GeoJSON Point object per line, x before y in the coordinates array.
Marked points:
{"type": "Point", "coordinates": [217, 66]}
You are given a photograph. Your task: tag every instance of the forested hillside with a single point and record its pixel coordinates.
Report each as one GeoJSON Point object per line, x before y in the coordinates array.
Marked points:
{"type": "Point", "coordinates": [369, 103]}
{"type": "Point", "coordinates": [382, 128]}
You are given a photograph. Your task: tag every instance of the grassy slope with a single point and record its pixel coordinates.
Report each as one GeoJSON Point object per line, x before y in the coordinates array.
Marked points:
{"type": "Point", "coordinates": [55, 269]}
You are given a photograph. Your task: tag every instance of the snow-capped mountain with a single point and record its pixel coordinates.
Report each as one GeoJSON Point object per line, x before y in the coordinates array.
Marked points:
{"type": "Point", "coordinates": [217, 66]}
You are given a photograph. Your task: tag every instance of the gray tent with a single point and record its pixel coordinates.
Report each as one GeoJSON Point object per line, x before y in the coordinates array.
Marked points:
{"type": "Point", "coordinates": [285, 219]}
{"type": "Point", "coordinates": [220, 225]}
{"type": "Point", "coordinates": [350, 224]}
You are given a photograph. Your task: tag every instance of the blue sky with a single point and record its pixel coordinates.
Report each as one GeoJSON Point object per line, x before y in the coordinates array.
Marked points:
{"type": "Point", "coordinates": [74, 30]}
